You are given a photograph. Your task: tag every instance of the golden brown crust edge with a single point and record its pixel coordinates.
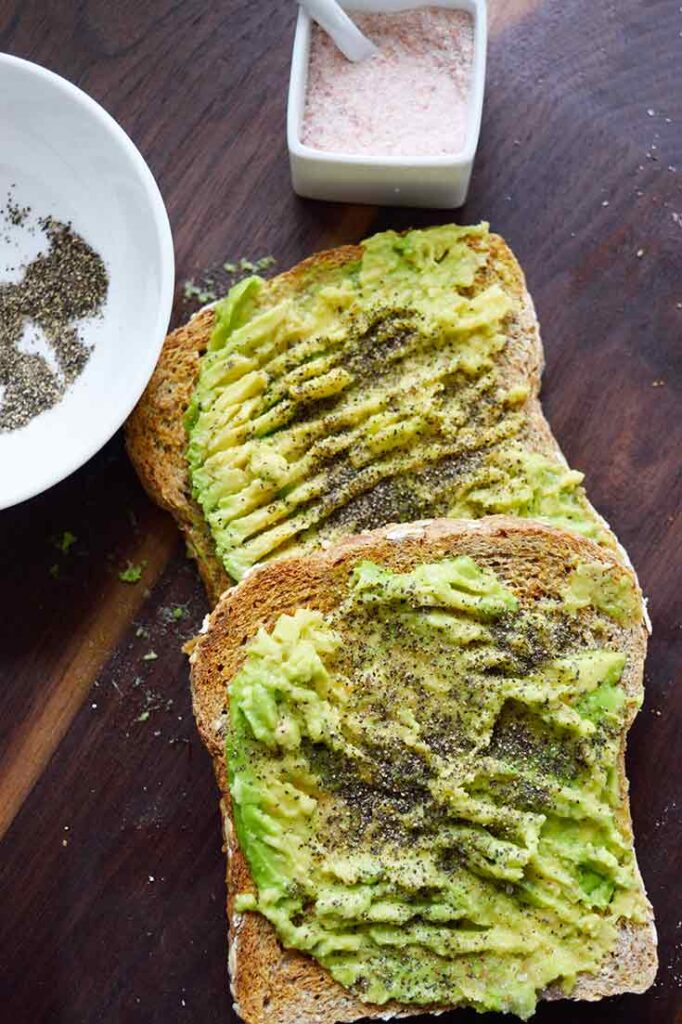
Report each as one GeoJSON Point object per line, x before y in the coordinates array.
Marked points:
{"type": "Point", "coordinates": [278, 986]}
{"type": "Point", "coordinates": [156, 441]}
{"type": "Point", "coordinates": [155, 433]}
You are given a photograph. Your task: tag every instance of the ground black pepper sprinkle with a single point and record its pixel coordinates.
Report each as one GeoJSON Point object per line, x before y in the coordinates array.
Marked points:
{"type": "Point", "coordinates": [16, 214]}
{"type": "Point", "coordinates": [58, 288]}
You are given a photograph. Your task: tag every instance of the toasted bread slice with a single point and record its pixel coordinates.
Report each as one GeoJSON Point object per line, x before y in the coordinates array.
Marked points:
{"type": "Point", "coordinates": [274, 985]}
{"type": "Point", "coordinates": [157, 439]}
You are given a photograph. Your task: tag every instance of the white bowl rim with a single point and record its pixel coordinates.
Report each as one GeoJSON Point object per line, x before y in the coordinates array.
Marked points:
{"type": "Point", "coordinates": [107, 426]}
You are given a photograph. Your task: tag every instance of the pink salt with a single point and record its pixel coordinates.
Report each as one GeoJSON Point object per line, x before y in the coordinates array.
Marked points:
{"type": "Point", "coordinates": [409, 100]}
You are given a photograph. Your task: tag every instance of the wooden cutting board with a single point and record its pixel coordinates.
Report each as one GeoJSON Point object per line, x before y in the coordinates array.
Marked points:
{"type": "Point", "coordinates": [112, 899]}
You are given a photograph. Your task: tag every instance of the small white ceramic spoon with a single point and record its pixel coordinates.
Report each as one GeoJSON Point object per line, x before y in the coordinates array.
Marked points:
{"type": "Point", "coordinates": [345, 33]}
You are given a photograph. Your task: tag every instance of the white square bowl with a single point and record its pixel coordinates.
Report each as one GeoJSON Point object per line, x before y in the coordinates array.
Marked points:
{"type": "Point", "coordinates": [433, 181]}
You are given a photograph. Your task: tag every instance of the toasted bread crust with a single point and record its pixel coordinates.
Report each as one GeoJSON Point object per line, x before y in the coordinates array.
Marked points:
{"type": "Point", "coordinates": [272, 985]}
{"type": "Point", "coordinates": [157, 441]}
{"type": "Point", "coordinates": [155, 432]}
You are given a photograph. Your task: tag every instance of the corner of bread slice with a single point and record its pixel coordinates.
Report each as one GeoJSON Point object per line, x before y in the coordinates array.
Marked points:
{"type": "Point", "coordinates": [274, 985]}
{"type": "Point", "coordinates": [156, 442]}
{"type": "Point", "coordinates": [630, 968]}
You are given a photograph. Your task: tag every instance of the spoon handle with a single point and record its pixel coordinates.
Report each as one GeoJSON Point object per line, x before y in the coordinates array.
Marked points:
{"type": "Point", "coordinates": [336, 23]}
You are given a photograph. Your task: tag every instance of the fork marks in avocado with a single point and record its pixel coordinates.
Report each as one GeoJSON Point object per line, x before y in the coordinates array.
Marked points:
{"type": "Point", "coordinates": [371, 393]}
{"type": "Point", "coordinates": [424, 785]}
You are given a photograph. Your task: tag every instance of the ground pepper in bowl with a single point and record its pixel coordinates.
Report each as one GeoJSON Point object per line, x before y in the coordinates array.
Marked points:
{"type": "Point", "coordinates": [59, 288]}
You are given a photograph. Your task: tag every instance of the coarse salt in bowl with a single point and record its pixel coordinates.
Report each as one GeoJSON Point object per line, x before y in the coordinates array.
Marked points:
{"type": "Point", "coordinates": [400, 129]}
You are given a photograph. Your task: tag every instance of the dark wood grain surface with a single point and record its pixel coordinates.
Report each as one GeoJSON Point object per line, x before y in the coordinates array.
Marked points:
{"type": "Point", "coordinates": [111, 884]}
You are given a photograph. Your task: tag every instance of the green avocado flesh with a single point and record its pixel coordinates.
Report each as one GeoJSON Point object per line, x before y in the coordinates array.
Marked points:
{"type": "Point", "coordinates": [372, 393]}
{"type": "Point", "coordinates": [425, 785]}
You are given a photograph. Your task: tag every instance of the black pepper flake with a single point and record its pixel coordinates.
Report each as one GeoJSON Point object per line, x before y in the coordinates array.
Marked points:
{"type": "Point", "coordinates": [58, 288]}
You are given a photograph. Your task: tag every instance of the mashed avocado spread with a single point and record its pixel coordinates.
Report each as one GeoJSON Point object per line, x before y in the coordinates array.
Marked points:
{"type": "Point", "coordinates": [425, 784]}
{"type": "Point", "coordinates": [372, 392]}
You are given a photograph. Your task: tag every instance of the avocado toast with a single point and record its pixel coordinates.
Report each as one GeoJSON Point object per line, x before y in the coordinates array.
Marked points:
{"type": "Point", "coordinates": [419, 738]}
{"type": "Point", "coordinates": [385, 382]}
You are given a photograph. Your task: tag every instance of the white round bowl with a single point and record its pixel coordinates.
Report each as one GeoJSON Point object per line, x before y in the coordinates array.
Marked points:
{"type": "Point", "coordinates": [64, 156]}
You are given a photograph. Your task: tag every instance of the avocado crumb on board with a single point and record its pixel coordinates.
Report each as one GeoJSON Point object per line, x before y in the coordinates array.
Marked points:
{"type": "Point", "coordinates": [203, 294]}
{"type": "Point", "coordinates": [208, 287]}
{"type": "Point", "coordinates": [65, 541]}
{"type": "Point", "coordinates": [131, 574]}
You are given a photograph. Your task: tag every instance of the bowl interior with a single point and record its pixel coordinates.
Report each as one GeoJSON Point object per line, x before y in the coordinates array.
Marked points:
{"type": "Point", "coordinates": [298, 86]}
{"type": "Point", "coordinates": [64, 156]}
